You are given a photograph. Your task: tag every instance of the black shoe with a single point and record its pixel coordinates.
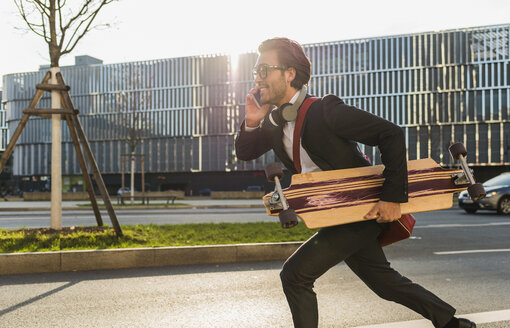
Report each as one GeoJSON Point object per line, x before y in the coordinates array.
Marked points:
{"type": "Point", "coordinates": [460, 323]}
{"type": "Point", "coordinates": [465, 323]}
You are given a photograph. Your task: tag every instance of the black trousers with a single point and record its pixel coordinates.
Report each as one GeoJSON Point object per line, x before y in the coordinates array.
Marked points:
{"type": "Point", "coordinates": [357, 245]}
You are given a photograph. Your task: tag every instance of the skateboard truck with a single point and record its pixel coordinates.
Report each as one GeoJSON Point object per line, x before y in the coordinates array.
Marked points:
{"type": "Point", "coordinates": [273, 203]}
{"type": "Point", "coordinates": [476, 190]}
{"type": "Point", "coordinates": [461, 178]}
{"type": "Point", "coordinates": [288, 217]}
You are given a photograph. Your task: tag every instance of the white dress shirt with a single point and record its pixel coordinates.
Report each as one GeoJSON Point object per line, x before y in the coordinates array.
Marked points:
{"type": "Point", "coordinates": [307, 165]}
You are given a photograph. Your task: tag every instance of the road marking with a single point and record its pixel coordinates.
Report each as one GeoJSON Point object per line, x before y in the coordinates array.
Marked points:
{"type": "Point", "coordinates": [472, 251]}
{"type": "Point", "coordinates": [459, 225]}
{"type": "Point", "coordinates": [478, 318]}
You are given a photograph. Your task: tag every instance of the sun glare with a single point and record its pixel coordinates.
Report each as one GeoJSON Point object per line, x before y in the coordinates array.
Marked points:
{"type": "Point", "coordinates": [234, 60]}
{"type": "Point", "coordinates": [236, 50]}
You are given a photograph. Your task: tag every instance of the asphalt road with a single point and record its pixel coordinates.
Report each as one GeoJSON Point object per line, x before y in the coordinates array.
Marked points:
{"type": "Point", "coordinates": [37, 219]}
{"type": "Point", "coordinates": [474, 278]}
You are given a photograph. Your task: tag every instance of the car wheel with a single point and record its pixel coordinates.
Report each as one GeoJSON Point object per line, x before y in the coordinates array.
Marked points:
{"type": "Point", "coordinates": [470, 211]}
{"type": "Point", "coordinates": [504, 206]}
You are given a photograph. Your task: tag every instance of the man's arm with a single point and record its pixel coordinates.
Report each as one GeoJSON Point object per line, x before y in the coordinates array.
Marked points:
{"type": "Point", "coordinates": [251, 145]}
{"type": "Point", "coordinates": [358, 125]}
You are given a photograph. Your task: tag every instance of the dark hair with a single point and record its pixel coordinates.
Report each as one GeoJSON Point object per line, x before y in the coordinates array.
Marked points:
{"type": "Point", "coordinates": [290, 54]}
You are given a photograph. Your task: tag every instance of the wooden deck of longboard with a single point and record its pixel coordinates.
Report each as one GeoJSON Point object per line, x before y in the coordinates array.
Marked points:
{"type": "Point", "coordinates": [342, 196]}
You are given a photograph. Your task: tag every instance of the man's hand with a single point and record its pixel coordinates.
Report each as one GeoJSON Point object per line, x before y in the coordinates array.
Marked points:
{"type": "Point", "coordinates": [254, 114]}
{"type": "Point", "coordinates": [384, 212]}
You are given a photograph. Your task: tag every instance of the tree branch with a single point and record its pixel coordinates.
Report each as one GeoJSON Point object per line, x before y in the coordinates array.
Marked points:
{"type": "Point", "coordinates": [45, 35]}
{"type": "Point", "coordinates": [43, 8]}
{"type": "Point", "coordinates": [72, 44]}
{"type": "Point", "coordinates": [42, 4]}
{"type": "Point", "coordinates": [84, 9]}
{"type": "Point", "coordinates": [54, 33]}
{"type": "Point", "coordinates": [61, 4]}
{"type": "Point", "coordinates": [59, 9]}
{"type": "Point", "coordinates": [36, 28]}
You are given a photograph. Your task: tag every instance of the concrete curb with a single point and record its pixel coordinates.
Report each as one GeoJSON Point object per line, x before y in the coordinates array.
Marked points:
{"type": "Point", "coordinates": [38, 262]}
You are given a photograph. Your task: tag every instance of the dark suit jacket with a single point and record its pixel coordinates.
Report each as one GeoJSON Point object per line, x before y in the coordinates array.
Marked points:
{"type": "Point", "coordinates": [329, 135]}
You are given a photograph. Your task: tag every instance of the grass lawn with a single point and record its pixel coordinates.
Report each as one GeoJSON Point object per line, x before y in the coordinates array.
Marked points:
{"type": "Point", "coordinates": [74, 238]}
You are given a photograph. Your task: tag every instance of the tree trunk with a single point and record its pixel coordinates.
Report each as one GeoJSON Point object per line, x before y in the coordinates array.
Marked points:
{"type": "Point", "coordinates": [132, 177]}
{"type": "Point", "coordinates": [53, 45]}
{"type": "Point", "coordinates": [56, 158]}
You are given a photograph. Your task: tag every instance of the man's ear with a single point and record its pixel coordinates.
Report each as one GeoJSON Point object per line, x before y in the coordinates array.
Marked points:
{"type": "Point", "coordinates": [291, 74]}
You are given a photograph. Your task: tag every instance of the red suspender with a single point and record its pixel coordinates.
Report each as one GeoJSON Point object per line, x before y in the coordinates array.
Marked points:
{"type": "Point", "coordinates": [297, 131]}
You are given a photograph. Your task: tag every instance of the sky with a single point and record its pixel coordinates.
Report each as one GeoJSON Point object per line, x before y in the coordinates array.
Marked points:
{"type": "Point", "coordinates": [153, 29]}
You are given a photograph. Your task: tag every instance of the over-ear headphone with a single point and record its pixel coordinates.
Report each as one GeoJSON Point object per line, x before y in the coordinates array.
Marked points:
{"type": "Point", "coordinates": [287, 112]}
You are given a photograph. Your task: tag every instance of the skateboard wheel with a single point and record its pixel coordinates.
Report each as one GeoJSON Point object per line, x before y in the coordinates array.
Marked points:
{"type": "Point", "coordinates": [288, 218]}
{"type": "Point", "coordinates": [273, 170]}
{"type": "Point", "coordinates": [476, 191]}
{"type": "Point", "coordinates": [457, 149]}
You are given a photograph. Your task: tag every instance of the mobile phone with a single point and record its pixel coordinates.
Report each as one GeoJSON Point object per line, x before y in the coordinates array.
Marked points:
{"type": "Point", "coordinates": [256, 97]}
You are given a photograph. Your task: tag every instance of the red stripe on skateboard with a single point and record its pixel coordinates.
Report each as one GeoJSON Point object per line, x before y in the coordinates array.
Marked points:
{"type": "Point", "coordinates": [410, 173]}
{"type": "Point", "coordinates": [349, 198]}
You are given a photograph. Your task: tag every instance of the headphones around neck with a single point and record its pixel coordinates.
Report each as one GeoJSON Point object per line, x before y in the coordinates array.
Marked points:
{"type": "Point", "coordinates": [287, 112]}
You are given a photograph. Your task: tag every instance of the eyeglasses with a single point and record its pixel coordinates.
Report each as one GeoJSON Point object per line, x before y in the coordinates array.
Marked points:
{"type": "Point", "coordinates": [261, 70]}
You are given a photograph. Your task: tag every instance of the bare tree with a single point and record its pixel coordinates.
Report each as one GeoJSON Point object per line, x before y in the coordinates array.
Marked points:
{"type": "Point", "coordinates": [61, 24]}
{"type": "Point", "coordinates": [132, 105]}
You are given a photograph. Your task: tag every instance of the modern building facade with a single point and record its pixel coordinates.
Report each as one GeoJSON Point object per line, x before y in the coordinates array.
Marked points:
{"type": "Point", "coordinates": [183, 113]}
{"type": "Point", "coordinates": [6, 174]}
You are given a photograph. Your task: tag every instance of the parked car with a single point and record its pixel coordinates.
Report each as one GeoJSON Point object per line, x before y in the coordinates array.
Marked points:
{"type": "Point", "coordinates": [498, 196]}
{"type": "Point", "coordinates": [127, 190]}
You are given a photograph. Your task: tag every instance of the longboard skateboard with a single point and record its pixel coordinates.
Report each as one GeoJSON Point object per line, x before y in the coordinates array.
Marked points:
{"type": "Point", "coordinates": [335, 197]}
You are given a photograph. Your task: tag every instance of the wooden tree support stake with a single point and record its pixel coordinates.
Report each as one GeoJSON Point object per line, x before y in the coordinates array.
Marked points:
{"type": "Point", "coordinates": [80, 142]}
{"type": "Point", "coordinates": [51, 87]}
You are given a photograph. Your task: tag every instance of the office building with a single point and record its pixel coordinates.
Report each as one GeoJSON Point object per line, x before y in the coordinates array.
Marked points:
{"type": "Point", "coordinates": [183, 113]}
